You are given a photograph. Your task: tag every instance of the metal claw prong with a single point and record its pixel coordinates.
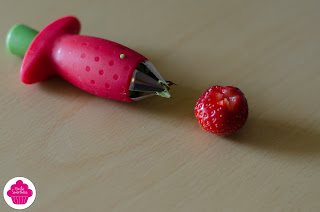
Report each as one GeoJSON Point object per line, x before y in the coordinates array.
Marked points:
{"type": "Point", "coordinates": [144, 83]}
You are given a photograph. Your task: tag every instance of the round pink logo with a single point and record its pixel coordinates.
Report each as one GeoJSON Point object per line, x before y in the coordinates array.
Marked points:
{"type": "Point", "coordinates": [19, 193]}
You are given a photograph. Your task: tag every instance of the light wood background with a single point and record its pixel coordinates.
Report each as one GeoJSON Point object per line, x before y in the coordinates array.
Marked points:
{"type": "Point", "coordinates": [85, 153]}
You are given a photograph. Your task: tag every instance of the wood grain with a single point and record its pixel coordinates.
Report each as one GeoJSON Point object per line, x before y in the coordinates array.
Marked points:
{"type": "Point", "coordinates": [87, 153]}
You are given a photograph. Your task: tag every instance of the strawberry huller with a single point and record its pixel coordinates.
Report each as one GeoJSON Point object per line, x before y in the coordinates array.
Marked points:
{"type": "Point", "coordinates": [98, 66]}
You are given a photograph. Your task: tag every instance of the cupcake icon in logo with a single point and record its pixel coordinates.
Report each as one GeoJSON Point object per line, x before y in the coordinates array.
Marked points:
{"type": "Point", "coordinates": [19, 193]}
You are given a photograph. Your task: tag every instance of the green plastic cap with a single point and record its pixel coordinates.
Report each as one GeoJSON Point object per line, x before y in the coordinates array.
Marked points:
{"type": "Point", "coordinates": [19, 38]}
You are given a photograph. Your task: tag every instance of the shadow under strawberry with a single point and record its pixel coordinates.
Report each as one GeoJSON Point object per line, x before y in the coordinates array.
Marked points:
{"type": "Point", "coordinates": [278, 136]}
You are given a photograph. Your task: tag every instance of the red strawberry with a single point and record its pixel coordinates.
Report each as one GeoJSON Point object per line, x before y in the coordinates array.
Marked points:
{"type": "Point", "coordinates": [222, 110]}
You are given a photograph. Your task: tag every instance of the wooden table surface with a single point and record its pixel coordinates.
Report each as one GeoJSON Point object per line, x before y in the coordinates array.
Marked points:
{"type": "Point", "coordinates": [86, 153]}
